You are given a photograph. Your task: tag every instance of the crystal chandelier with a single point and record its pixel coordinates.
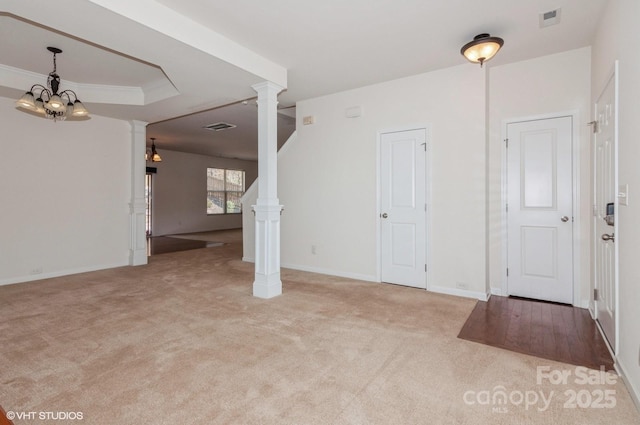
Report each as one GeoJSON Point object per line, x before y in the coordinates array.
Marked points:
{"type": "Point", "coordinates": [50, 103]}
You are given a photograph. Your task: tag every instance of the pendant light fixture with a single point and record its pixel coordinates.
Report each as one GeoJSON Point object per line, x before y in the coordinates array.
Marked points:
{"type": "Point", "coordinates": [50, 103]}
{"type": "Point", "coordinates": [151, 154]}
{"type": "Point", "coordinates": [482, 48]}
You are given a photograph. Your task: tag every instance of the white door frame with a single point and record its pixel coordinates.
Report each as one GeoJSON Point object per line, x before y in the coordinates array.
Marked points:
{"type": "Point", "coordinates": [427, 129]}
{"type": "Point", "coordinates": [575, 156]}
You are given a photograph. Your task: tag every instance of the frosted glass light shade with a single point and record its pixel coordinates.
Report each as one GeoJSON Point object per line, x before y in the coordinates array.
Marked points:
{"type": "Point", "coordinates": [55, 104]}
{"type": "Point", "coordinates": [79, 110]}
{"type": "Point", "coordinates": [482, 48]}
{"type": "Point", "coordinates": [27, 101]}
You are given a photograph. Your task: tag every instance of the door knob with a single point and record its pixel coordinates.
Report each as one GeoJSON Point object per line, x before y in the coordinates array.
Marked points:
{"type": "Point", "coordinates": [610, 237]}
{"type": "Point", "coordinates": [384, 215]}
{"type": "Point", "coordinates": [564, 219]}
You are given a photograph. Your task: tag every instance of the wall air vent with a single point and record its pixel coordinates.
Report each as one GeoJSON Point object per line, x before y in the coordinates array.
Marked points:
{"type": "Point", "coordinates": [549, 18]}
{"type": "Point", "coordinates": [219, 126]}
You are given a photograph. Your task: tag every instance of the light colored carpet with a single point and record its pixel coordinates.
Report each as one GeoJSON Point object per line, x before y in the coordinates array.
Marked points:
{"type": "Point", "coordinates": [182, 341]}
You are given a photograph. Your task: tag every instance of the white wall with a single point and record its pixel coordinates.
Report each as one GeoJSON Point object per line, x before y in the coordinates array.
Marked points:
{"type": "Point", "coordinates": [327, 179]}
{"type": "Point", "coordinates": [180, 193]}
{"type": "Point", "coordinates": [65, 193]}
{"type": "Point", "coordinates": [551, 84]}
{"type": "Point", "coordinates": [618, 38]}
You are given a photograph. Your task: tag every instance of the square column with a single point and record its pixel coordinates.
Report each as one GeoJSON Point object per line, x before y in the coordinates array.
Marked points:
{"type": "Point", "coordinates": [267, 283]}
{"type": "Point", "coordinates": [137, 206]}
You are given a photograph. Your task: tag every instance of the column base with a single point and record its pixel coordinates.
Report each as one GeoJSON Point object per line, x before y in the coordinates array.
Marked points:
{"type": "Point", "coordinates": [138, 257]}
{"type": "Point", "coordinates": [267, 286]}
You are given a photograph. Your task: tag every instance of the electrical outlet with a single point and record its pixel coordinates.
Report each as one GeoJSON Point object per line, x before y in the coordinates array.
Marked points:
{"type": "Point", "coordinates": [462, 285]}
{"type": "Point", "coordinates": [36, 270]}
{"type": "Point", "coordinates": [313, 250]}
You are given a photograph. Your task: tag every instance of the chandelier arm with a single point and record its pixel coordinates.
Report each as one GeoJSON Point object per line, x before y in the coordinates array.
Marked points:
{"type": "Point", "coordinates": [66, 92]}
{"type": "Point", "coordinates": [39, 86]}
{"type": "Point", "coordinates": [43, 90]}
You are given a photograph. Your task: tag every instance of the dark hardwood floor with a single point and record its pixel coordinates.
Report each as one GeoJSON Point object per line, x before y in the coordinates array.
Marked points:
{"type": "Point", "coordinates": [183, 242]}
{"type": "Point", "coordinates": [3, 418]}
{"type": "Point", "coordinates": [163, 244]}
{"type": "Point", "coordinates": [547, 330]}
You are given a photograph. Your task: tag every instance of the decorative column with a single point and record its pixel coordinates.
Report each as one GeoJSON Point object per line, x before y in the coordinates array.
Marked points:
{"type": "Point", "coordinates": [267, 283]}
{"type": "Point", "coordinates": [137, 206]}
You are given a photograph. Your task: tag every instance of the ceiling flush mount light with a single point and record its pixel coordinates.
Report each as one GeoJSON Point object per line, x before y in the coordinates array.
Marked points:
{"type": "Point", "coordinates": [482, 48]}
{"type": "Point", "coordinates": [151, 154]}
{"type": "Point", "coordinates": [50, 103]}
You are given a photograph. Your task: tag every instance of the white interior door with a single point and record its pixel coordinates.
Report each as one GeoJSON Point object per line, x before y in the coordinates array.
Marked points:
{"type": "Point", "coordinates": [540, 209]}
{"type": "Point", "coordinates": [605, 194]}
{"type": "Point", "coordinates": [403, 208]}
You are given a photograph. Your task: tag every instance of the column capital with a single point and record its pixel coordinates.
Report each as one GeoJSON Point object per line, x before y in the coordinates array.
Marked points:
{"type": "Point", "coordinates": [267, 85]}
{"type": "Point", "coordinates": [138, 125]}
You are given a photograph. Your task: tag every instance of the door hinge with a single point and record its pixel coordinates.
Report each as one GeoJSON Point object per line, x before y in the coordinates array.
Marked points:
{"type": "Point", "coordinates": [425, 146]}
{"type": "Point", "coordinates": [594, 126]}
{"type": "Point", "coordinates": [507, 271]}
{"type": "Point", "coordinates": [595, 294]}
{"type": "Point", "coordinates": [507, 143]}
{"type": "Point", "coordinates": [425, 267]}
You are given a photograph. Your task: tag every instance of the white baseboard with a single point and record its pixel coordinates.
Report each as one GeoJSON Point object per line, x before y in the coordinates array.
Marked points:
{"type": "Point", "coordinates": [367, 278]}
{"type": "Point", "coordinates": [321, 271]}
{"type": "Point", "coordinates": [633, 391]}
{"type": "Point", "coordinates": [41, 276]}
{"type": "Point", "coordinates": [482, 296]}
{"type": "Point", "coordinates": [330, 272]}
{"type": "Point", "coordinates": [497, 292]}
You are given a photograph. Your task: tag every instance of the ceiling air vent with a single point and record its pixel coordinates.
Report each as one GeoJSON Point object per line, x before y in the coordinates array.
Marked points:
{"type": "Point", "coordinates": [549, 18]}
{"type": "Point", "coordinates": [219, 126]}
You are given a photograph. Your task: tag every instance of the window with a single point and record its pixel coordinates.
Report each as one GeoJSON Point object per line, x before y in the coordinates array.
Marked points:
{"type": "Point", "coordinates": [224, 190]}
